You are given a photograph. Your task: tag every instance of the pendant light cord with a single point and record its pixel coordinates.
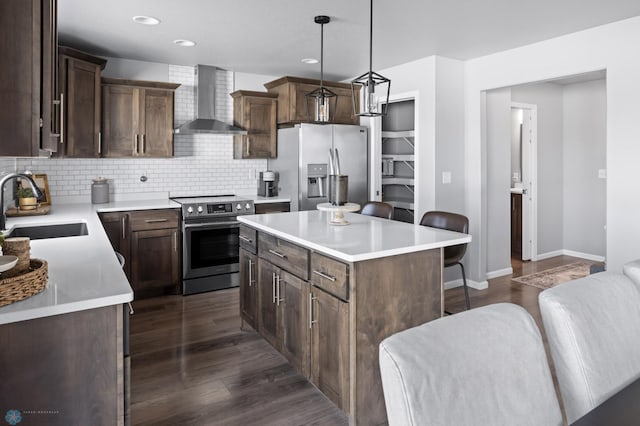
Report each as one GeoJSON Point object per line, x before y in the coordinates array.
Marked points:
{"type": "Point", "coordinates": [321, 56]}
{"type": "Point", "coordinates": [370, 39]}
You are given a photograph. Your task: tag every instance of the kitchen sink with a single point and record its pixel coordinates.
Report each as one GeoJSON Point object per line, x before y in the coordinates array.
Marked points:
{"type": "Point", "coordinates": [39, 232]}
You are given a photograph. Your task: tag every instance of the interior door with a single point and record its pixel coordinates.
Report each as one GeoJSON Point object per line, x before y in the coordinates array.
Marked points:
{"type": "Point", "coordinates": [527, 183]}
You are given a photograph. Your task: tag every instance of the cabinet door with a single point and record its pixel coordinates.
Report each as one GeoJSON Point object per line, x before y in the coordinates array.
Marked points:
{"type": "Point", "coordinates": [116, 225]}
{"type": "Point", "coordinates": [248, 288]}
{"type": "Point", "coordinates": [294, 311]}
{"type": "Point", "coordinates": [154, 259]}
{"type": "Point", "coordinates": [119, 121]}
{"type": "Point", "coordinates": [28, 36]}
{"type": "Point", "coordinates": [330, 347]}
{"type": "Point", "coordinates": [268, 310]}
{"type": "Point", "coordinates": [80, 136]}
{"type": "Point", "coordinates": [156, 123]}
{"type": "Point", "coordinates": [260, 121]}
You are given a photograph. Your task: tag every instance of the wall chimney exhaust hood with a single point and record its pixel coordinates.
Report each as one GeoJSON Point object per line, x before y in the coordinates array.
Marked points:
{"type": "Point", "coordinates": [205, 106]}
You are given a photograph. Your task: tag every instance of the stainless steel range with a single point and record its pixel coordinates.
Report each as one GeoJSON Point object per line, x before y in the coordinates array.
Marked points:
{"type": "Point", "coordinates": [210, 244]}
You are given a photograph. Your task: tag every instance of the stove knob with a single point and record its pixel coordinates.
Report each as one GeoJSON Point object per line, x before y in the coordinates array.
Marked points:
{"type": "Point", "coordinates": [200, 209]}
{"type": "Point", "coordinates": [238, 206]}
{"type": "Point", "coordinates": [247, 206]}
{"type": "Point", "coordinates": [189, 210]}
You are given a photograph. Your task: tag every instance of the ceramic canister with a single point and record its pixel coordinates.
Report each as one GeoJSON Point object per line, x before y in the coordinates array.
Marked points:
{"type": "Point", "coordinates": [100, 191]}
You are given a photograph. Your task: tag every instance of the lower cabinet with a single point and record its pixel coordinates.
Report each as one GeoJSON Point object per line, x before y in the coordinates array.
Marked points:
{"type": "Point", "coordinates": [330, 346]}
{"type": "Point", "coordinates": [248, 288]}
{"type": "Point", "coordinates": [149, 240]}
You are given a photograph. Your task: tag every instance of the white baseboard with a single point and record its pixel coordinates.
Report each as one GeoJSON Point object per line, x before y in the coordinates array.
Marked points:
{"type": "Point", "coordinates": [548, 255]}
{"type": "Point", "coordinates": [587, 256]}
{"type": "Point", "coordinates": [571, 253]}
{"type": "Point", "coordinates": [470, 283]}
{"type": "Point", "coordinates": [499, 273]}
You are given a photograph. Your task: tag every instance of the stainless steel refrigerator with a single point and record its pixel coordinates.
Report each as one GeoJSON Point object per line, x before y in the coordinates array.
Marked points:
{"type": "Point", "coordinates": [303, 162]}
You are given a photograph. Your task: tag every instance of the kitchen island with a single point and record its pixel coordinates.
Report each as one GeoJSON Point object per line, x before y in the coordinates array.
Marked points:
{"type": "Point", "coordinates": [325, 295]}
{"type": "Point", "coordinates": [62, 358]}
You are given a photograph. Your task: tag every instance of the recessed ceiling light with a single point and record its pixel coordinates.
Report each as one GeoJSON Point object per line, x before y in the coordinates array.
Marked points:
{"type": "Point", "coordinates": [185, 43]}
{"type": "Point", "coordinates": [309, 61]}
{"type": "Point", "coordinates": [146, 20]}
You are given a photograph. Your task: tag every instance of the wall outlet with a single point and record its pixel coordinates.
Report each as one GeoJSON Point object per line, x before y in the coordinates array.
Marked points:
{"type": "Point", "coordinates": [446, 177]}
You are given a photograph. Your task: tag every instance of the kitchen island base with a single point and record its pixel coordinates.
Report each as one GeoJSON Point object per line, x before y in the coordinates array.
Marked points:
{"type": "Point", "coordinates": [328, 316]}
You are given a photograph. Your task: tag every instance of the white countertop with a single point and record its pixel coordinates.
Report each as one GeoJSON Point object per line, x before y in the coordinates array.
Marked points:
{"type": "Point", "coordinates": [84, 273]}
{"type": "Point", "coordinates": [264, 200]}
{"type": "Point", "coordinates": [365, 237]}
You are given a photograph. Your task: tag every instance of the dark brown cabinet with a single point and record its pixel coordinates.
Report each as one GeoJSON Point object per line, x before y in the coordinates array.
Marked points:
{"type": "Point", "coordinates": [268, 318]}
{"type": "Point", "coordinates": [79, 83]}
{"type": "Point", "coordinates": [137, 118]}
{"type": "Point", "coordinates": [149, 240]}
{"type": "Point", "coordinates": [330, 346]}
{"type": "Point", "coordinates": [28, 83]}
{"type": "Point", "coordinates": [248, 288]}
{"type": "Point", "coordinates": [516, 226]}
{"type": "Point", "coordinates": [256, 113]}
{"type": "Point", "coordinates": [292, 102]}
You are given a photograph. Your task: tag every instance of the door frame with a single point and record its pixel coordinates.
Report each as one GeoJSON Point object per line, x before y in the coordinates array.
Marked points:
{"type": "Point", "coordinates": [532, 225]}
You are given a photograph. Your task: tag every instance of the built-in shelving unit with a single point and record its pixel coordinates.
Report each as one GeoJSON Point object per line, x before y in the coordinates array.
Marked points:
{"type": "Point", "coordinates": [398, 159]}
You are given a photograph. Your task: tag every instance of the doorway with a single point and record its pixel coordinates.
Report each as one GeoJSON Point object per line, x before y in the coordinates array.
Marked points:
{"type": "Point", "coordinates": [524, 125]}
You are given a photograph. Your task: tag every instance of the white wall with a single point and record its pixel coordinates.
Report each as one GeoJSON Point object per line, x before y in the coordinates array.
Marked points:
{"type": "Point", "coordinates": [498, 245]}
{"type": "Point", "coordinates": [244, 81]}
{"type": "Point", "coordinates": [612, 47]}
{"type": "Point", "coordinates": [135, 70]}
{"type": "Point", "coordinates": [584, 145]}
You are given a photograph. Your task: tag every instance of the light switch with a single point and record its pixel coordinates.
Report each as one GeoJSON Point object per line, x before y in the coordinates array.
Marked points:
{"type": "Point", "coordinates": [446, 177]}
{"type": "Point", "coordinates": [602, 173]}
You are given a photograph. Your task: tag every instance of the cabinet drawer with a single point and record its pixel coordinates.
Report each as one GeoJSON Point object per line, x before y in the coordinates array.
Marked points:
{"type": "Point", "coordinates": [248, 239]}
{"type": "Point", "coordinates": [284, 254]}
{"type": "Point", "coordinates": [154, 219]}
{"type": "Point", "coordinates": [330, 275]}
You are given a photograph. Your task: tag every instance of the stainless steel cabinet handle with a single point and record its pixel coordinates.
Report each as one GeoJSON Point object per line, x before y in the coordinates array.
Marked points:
{"type": "Point", "coordinates": [99, 143]}
{"type": "Point", "coordinates": [280, 255]}
{"type": "Point", "coordinates": [247, 141]}
{"type": "Point", "coordinates": [323, 275]}
{"type": "Point", "coordinates": [311, 321]}
{"type": "Point", "coordinates": [143, 144]}
{"type": "Point", "coordinates": [130, 308]}
{"type": "Point", "coordinates": [245, 239]}
{"type": "Point", "coordinates": [250, 273]}
{"type": "Point", "coordinates": [61, 117]}
{"type": "Point", "coordinates": [273, 287]}
{"type": "Point", "coordinates": [278, 300]}
{"type": "Point", "coordinates": [155, 220]}
{"type": "Point", "coordinates": [135, 145]}
{"type": "Point", "coordinates": [175, 241]}
{"type": "Point", "coordinates": [124, 227]}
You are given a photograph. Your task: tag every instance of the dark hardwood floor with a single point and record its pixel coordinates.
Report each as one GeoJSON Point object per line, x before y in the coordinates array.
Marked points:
{"type": "Point", "coordinates": [192, 364]}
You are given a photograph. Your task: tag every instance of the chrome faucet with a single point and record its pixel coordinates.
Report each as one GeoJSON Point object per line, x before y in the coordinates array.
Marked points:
{"type": "Point", "coordinates": [5, 179]}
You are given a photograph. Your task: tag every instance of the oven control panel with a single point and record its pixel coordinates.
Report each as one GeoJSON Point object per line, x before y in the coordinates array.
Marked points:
{"type": "Point", "coordinates": [240, 207]}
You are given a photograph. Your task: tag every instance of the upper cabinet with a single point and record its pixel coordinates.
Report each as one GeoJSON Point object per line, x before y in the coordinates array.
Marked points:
{"type": "Point", "coordinates": [137, 118]}
{"type": "Point", "coordinates": [292, 103]}
{"type": "Point", "coordinates": [28, 83]}
{"type": "Point", "coordinates": [79, 83]}
{"type": "Point", "coordinates": [256, 113]}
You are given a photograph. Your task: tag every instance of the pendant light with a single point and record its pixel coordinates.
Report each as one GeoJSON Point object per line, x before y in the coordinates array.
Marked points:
{"type": "Point", "coordinates": [369, 81]}
{"type": "Point", "coordinates": [322, 100]}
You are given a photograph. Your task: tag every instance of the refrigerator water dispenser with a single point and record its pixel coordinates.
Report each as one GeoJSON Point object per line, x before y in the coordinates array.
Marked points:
{"type": "Point", "coordinates": [316, 180]}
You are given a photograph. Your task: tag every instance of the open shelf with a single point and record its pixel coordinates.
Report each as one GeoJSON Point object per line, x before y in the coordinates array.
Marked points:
{"type": "Point", "coordinates": [386, 134]}
{"type": "Point", "coordinates": [399, 157]}
{"type": "Point", "coordinates": [397, 181]}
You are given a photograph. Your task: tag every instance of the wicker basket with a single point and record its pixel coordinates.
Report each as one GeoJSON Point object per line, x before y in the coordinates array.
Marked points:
{"type": "Point", "coordinates": [14, 289]}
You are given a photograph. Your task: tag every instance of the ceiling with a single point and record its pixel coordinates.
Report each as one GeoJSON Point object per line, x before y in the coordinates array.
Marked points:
{"type": "Point", "coordinates": [272, 36]}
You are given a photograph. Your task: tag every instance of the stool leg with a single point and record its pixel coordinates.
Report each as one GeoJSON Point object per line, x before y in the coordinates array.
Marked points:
{"type": "Point", "coordinates": [464, 282]}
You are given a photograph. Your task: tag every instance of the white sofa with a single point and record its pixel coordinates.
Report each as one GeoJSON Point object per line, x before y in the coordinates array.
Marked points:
{"type": "Point", "coordinates": [593, 329]}
{"type": "Point", "coordinates": [485, 366]}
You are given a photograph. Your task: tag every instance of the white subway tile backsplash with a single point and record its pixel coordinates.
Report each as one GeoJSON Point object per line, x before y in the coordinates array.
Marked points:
{"type": "Point", "coordinates": [202, 164]}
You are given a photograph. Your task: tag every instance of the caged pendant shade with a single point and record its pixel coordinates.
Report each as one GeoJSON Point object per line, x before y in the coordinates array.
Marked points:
{"type": "Point", "coordinates": [370, 81]}
{"type": "Point", "coordinates": [321, 100]}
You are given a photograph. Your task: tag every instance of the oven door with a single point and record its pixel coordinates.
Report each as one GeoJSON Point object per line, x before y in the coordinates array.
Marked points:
{"type": "Point", "coordinates": [210, 247]}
